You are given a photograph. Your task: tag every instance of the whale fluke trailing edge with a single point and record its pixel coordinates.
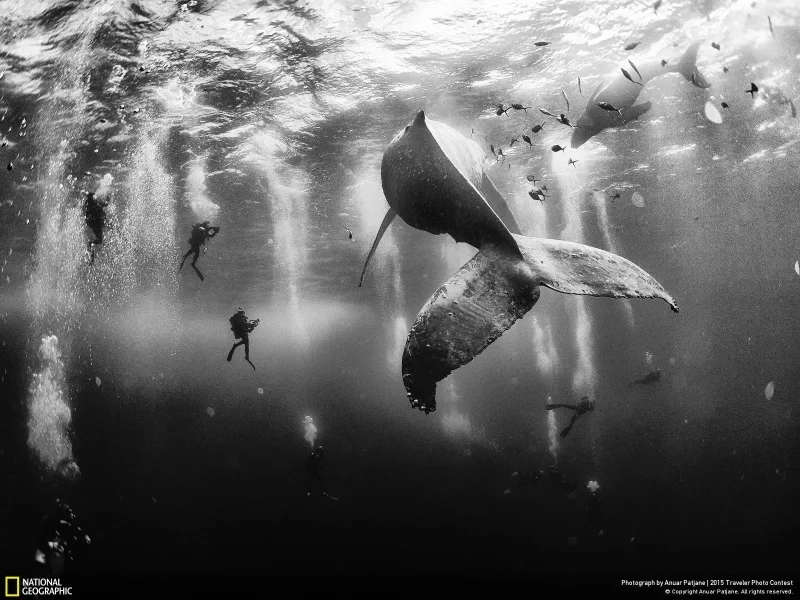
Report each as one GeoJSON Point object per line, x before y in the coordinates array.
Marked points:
{"type": "Point", "coordinates": [434, 179]}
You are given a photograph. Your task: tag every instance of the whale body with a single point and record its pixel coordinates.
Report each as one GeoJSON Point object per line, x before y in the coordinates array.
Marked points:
{"type": "Point", "coordinates": [621, 93]}
{"type": "Point", "coordinates": [434, 179]}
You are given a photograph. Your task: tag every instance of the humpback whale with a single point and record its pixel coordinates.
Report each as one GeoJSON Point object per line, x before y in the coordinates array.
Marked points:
{"type": "Point", "coordinates": [434, 179]}
{"type": "Point", "coordinates": [621, 93]}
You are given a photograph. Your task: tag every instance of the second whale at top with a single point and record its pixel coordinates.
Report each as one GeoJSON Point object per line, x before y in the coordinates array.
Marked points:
{"type": "Point", "coordinates": [621, 93]}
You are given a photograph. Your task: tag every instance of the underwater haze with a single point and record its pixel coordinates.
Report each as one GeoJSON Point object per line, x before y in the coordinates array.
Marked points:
{"type": "Point", "coordinates": [269, 119]}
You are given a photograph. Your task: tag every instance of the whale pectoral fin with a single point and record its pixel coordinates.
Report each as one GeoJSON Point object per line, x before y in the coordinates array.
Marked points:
{"type": "Point", "coordinates": [499, 205]}
{"type": "Point", "coordinates": [572, 268]}
{"type": "Point", "coordinates": [387, 220]}
{"type": "Point", "coordinates": [636, 111]}
{"type": "Point", "coordinates": [466, 314]}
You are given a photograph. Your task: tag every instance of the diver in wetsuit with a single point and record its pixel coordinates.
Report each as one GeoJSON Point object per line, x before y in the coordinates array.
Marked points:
{"type": "Point", "coordinates": [60, 540]}
{"type": "Point", "coordinates": [584, 406]}
{"type": "Point", "coordinates": [594, 512]}
{"type": "Point", "coordinates": [95, 212]}
{"type": "Point", "coordinates": [314, 470]}
{"type": "Point", "coordinates": [200, 233]}
{"type": "Point", "coordinates": [241, 327]}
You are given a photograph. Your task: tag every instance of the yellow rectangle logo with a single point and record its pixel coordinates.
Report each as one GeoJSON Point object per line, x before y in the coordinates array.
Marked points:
{"type": "Point", "coordinates": [9, 587]}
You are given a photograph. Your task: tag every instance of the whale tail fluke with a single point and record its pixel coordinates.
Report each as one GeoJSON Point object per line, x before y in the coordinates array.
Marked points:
{"type": "Point", "coordinates": [688, 67]}
{"type": "Point", "coordinates": [496, 288]}
{"type": "Point", "coordinates": [466, 314]}
{"type": "Point", "coordinates": [572, 268]}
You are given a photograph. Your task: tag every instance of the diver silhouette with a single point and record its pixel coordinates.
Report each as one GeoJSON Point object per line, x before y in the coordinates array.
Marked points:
{"type": "Point", "coordinates": [595, 522]}
{"type": "Point", "coordinates": [95, 211]}
{"type": "Point", "coordinates": [314, 470]}
{"type": "Point", "coordinates": [584, 406]}
{"type": "Point", "coordinates": [60, 540]}
{"type": "Point", "coordinates": [200, 233]}
{"type": "Point", "coordinates": [241, 327]}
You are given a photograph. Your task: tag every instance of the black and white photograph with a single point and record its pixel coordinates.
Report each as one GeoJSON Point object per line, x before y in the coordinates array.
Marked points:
{"type": "Point", "coordinates": [372, 297]}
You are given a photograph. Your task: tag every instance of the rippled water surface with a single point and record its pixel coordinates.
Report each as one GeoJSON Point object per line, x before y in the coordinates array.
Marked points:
{"type": "Point", "coordinates": [270, 119]}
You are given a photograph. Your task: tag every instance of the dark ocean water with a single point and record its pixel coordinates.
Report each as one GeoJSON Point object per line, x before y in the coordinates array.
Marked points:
{"type": "Point", "coordinates": [271, 119]}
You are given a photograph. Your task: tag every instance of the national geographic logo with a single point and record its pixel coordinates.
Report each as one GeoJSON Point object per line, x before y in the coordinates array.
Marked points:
{"type": "Point", "coordinates": [16, 587]}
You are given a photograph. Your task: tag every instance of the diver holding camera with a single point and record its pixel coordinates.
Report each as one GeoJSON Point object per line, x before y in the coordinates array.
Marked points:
{"type": "Point", "coordinates": [241, 327]}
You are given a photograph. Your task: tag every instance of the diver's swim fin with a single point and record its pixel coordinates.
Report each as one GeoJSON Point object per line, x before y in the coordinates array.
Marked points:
{"type": "Point", "coordinates": [387, 220]}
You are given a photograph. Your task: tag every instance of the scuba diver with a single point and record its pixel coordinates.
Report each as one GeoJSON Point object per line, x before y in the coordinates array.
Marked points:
{"type": "Point", "coordinates": [559, 481]}
{"type": "Point", "coordinates": [95, 211]}
{"type": "Point", "coordinates": [241, 327]}
{"type": "Point", "coordinates": [314, 470]}
{"type": "Point", "coordinates": [200, 233]}
{"type": "Point", "coordinates": [60, 539]}
{"type": "Point", "coordinates": [524, 480]}
{"type": "Point", "coordinates": [584, 406]}
{"type": "Point", "coordinates": [651, 377]}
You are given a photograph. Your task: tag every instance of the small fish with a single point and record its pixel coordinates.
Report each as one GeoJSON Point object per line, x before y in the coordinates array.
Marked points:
{"type": "Point", "coordinates": [632, 45]}
{"type": "Point", "coordinates": [752, 91]}
{"type": "Point", "coordinates": [540, 44]}
{"type": "Point", "coordinates": [500, 153]}
{"type": "Point", "coordinates": [572, 162]}
{"type": "Point", "coordinates": [565, 99]}
{"type": "Point", "coordinates": [349, 234]}
{"type": "Point", "coordinates": [656, 6]}
{"type": "Point", "coordinates": [725, 69]}
{"type": "Point", "coordinates": [794, 110]}
{"type": "Point", "coordinates": [635, 69]}
{"type": "Point", "coordinates": [579, 86]}
{"type": "Point", "coordinates": [538, 128]}
{"type": "Point", "coordinates": [500, 110]}
{"type": "Point", "coordinates": [525, 138]}
{"type": "Point", "coordinates": [724, 105]}
{"type": "Point", "coordinates": [491, 147]}
{"type": "Point", "coordinates": [10, 166]}
{"type": "Point", "coordinates": [473, 132]}
{"type": "Point", "coordinates": [715, 45]}
{"type": "Point", "coordinates": [546, 112]}
{"type": "Point", "coordinates": [532, 179]}
{"type": "Point", "coordinates": [615, 196]}
{"type": "Point", "coordinates": [628, 76]}
{"type": "Point", "coordinates": [770, 25]}
{"type": "Point", "coordinates": [664, 63]}
{"type": "Point", "coordinates": [536, 196]}
{"type": "Point", "coordinates": [564, 120]}
{"type": "Point", "coordinates": [557, 148]}
{"type": "Point", "coordinates": [608, 107]}
{"type": "Point", "coordinates": [516, 139]}
{"type": "Point", "coordinates": [520, 107]}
